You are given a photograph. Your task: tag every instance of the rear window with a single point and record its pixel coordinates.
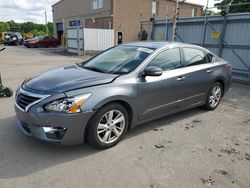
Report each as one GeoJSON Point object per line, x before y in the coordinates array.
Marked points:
{"type": "Point", "coordinates": [193, 56]}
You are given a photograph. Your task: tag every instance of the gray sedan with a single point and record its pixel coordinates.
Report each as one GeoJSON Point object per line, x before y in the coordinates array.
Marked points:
{"type": "Point", "coordinates": [100, 99]}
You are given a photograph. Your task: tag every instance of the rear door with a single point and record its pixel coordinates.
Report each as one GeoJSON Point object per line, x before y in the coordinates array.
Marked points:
{"type": "Point", "coordinates": [198, 73]}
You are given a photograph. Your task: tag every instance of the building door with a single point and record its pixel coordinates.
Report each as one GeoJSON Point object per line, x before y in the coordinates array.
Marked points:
{"type": "Point", "coordinates": [59, 31]}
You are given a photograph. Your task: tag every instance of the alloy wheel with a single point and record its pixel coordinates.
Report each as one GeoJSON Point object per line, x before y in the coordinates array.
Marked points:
{"type": "Point", "coordinates": [215, 96]}
{"type": "Point", "coordinates": [111, 126]}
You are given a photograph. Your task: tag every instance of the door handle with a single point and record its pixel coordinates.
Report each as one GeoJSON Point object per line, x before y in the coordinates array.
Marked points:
{"type": "Point", "coordinates": [181, 78]}
{"type": "Point", "coordinates": [210, 70]}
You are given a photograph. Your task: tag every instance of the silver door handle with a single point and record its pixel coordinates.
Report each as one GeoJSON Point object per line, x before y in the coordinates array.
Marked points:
{"type": "Point", "coordinates": [210, 70]}
{"type": "Point", "coordinates": [181, 78]}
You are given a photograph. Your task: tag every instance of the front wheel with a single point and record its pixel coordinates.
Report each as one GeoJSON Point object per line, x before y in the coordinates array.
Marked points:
{"type": "Point", "coordinates": [108, 126]}
{"type": "Point", "coordinates": [214, 96]}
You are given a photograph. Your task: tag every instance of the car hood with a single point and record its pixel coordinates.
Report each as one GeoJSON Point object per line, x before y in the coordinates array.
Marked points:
{"type": "Point", "coordinates": [66, 78]}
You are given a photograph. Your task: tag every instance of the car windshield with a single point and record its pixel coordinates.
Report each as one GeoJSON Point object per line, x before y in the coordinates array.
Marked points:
{"type": "Point", "coordinates": [119, 60]}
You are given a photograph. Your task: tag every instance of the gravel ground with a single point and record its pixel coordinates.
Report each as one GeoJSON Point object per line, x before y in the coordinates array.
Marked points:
{"type": "Point", "coordinates": [194, 148]}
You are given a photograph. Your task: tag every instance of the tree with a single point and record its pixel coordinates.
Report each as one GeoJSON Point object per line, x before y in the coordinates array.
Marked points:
{"type": "Point", "coordinates": [50, 27]}
{"type": "Point", "coordinates": [27, 27]}
{"type": "Point", "coordinates": [4, 27]}
{"type": "Point", "coordinates": [234, 9]}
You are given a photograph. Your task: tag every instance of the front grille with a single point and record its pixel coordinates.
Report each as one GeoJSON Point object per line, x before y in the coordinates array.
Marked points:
{"type": "Point", "coordinates": [24, 100]}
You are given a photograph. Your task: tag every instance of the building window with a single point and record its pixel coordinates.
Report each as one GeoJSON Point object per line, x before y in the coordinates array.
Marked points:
{"type": "Point", "coordinates": [74, 23]}
{"type": "Point", "coordinates": [97, 4]}
{"type": "Point", "coordinates": [194, 12]}
{"type": "Point", "coordinates": [155, 7]}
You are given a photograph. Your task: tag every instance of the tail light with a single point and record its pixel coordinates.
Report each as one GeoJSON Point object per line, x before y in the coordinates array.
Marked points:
{"type": "Point", "coordinates": [229, 68]}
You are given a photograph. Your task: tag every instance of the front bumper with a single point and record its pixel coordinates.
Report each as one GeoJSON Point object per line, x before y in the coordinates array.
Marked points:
{"type": "Point", "coordinates": [71, 127]}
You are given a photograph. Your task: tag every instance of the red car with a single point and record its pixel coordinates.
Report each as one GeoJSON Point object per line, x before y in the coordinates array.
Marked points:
{"type": "Point", "coordinates": [42, 41]}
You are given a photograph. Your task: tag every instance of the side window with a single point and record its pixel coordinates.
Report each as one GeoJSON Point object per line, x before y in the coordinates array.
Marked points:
{"type": "Point", "coordinates": [193, 56]}
{"type": "Point", "coordinates": [167, 60]}
{"type": "Point", "coordinates": [209, 58]}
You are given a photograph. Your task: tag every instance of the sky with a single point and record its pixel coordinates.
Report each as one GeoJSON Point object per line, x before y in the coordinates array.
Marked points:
{"type": "Point", "coordinates": [33, 10]}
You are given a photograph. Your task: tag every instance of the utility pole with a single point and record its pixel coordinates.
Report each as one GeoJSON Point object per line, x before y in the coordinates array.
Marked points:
{"type": "Point", "coordinates": [176, 17]}
{"type": "Point", "coordinates": [46, 23]}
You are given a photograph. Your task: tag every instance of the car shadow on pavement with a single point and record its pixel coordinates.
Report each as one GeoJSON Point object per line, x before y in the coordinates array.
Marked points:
{"type": "Point", "coordinates": [164, 121]}
{"type": "Point", "coordinates": [21, 155]}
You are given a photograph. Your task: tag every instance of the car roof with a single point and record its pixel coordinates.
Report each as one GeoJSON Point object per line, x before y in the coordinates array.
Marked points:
{"type": "Point", "coordinates": [160, 44]}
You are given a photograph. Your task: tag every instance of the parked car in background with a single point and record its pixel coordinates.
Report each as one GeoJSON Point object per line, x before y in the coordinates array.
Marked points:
{"type": "Point", "coordinates": [100, 99]}
{"type": "Point", "coordinates": [42, 41]}
{"type": "Point", "coordinates": [11, 38]}
{"type": "Point", "coordinates": [1, 37]}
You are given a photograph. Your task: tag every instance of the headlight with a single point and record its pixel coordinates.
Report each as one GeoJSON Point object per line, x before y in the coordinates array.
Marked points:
{"type": "Point", "coordinates": [68, 105]}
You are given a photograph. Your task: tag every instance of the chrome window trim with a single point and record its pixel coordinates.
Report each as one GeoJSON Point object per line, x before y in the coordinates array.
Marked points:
{"type": "Point", "coordinates": [42, 97]}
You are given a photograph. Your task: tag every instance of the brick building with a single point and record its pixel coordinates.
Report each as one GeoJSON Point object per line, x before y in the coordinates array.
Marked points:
{"type": "Point", "coordinates": [124, 16]}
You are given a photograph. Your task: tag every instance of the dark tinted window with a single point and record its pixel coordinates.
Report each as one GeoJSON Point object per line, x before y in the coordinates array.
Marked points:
{"type": "Point", "coordinates": [193, 56]}
{"type": "Point", "coordinates": [167, 60]}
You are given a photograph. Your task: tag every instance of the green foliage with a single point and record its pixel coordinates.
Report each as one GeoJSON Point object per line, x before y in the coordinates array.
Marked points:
{"type": "Point", "coordinates": [4, 26]}
{"type": "Point", "coordinates": [27, 27]}
{"type": "Point", "coordinates": [35, 32]}
{"type": "Point", "coordinates": [234, 9]}
{"type": "Point", "coordinates": [210, 13]}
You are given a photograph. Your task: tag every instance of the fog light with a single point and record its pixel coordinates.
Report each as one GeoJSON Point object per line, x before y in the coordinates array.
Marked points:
{"type": "Point", "coordinates": [54, 132]}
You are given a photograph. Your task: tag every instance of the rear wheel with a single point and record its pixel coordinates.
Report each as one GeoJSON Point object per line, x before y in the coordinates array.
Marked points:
{"type": "Point", "coordinates": [108, 126]}
{"type": "Point", "coordinates": [214, 96]}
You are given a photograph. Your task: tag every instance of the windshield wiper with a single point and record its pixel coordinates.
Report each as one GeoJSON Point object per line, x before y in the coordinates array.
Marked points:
{"type": "Point", "coordinates": [93, 69]}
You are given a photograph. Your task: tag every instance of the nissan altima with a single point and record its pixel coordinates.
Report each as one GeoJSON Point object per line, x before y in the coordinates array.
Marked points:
{"type": "Point", "coordinates": [101, 99]}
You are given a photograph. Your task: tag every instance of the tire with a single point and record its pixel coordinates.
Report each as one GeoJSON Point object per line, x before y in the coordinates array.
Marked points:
{"type": "Point", "coordinates": [108, 130]}
{"type": "Point", "coordinates": [39, 45]}
{"type": "Point", "coordinates": [214, 96]}
{"type": "Point", "coordinates": [8, 92]}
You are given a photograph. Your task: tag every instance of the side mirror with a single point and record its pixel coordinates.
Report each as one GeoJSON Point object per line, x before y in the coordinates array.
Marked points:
{"type": "Point", "coordinates": [153, 71]}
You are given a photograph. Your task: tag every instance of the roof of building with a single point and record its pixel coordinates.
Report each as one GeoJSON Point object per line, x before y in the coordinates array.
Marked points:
{"type": "Point", "coordinates": [57, 2]}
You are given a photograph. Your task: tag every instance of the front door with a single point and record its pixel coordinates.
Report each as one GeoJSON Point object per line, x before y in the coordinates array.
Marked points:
{"type": "Point", "coordinates": [160, 94]}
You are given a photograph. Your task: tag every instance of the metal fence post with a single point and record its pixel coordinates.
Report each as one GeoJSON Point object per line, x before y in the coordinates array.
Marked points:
{"type": "Point", "coordinates": [205, 26]}
{"type": "Point", "coordinates": [78, 41]}
{"type": "Point", "coordinates": [153, 30]}
{"type": "Point", "coordinates": [223, 31]}
{"type": "Point", "coordinates": [166, 33]}
{"type": "Point", "coordinates": [83, 41]}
